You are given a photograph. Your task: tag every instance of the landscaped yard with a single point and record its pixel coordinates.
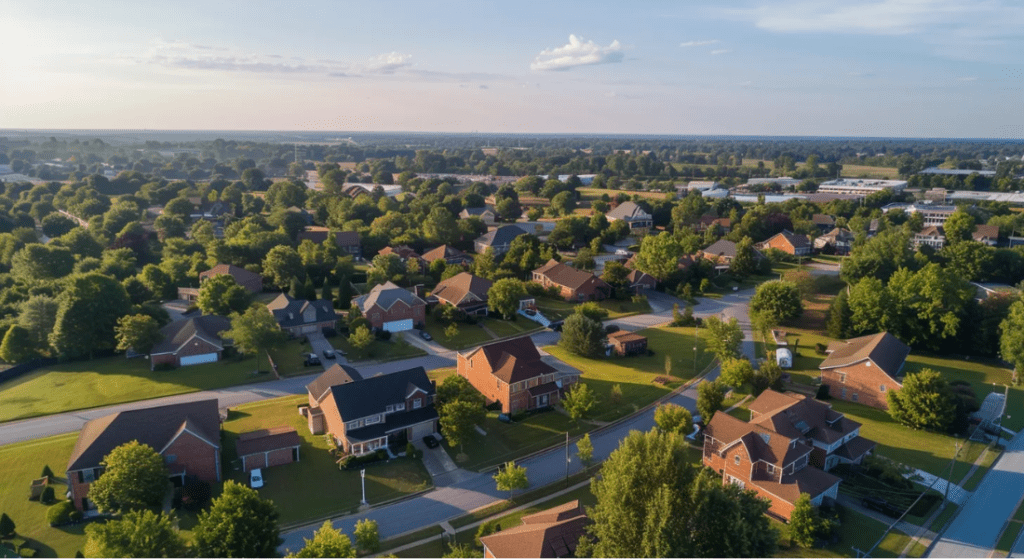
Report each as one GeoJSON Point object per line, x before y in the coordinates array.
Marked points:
{"type": "Point", "coordinates": [114, 380]}
{"type": "Point", "coordinates": [469, 334]}
{"type": "Point", "coordinates": [507, 328]}
{"type": "Point", "coordinates": [505, 441]}
{"type": "Point", "coordinates": [314, 487]}
{"type": "Point", "coordinates": [857, 531]}
{"type": "Point", "coordinates": [290, 358]}
{"type": "Point", "coordinates": [395, 348]}
{"type": "Point", "coordinates": [558, 309]}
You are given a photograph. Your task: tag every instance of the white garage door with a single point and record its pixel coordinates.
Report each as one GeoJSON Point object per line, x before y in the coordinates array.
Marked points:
{"type": "Point", "coordinates": [422, 430]}
{"type": "Point", "coordinates": [197, 359]}
{"type": "Point", "coordinates": [398, 325]}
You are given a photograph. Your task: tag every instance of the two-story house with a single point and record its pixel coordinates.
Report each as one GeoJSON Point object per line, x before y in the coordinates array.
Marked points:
{"type": "Point", "coordinates": [449, 254]}
{"type": "Point", "coordinates": [572, 284]}
{"type": "Point", "coordinates": [838, 241]}
{"type": "Point", "coordinates": [389, 307]}
{"type": "Point", "coordinates": [484, 214]}
{"type": "Point", "coordinates": [348, 242]}
{"type": "Point", "coordinates": [639, 221]}
{"type": "Point", "coordinates": [364, 414]}
{"type": "Point", "coordinates": [299, 316]}
{"type": "Point", "coordinates": [250, 281]}
{"type": "Point", "coordinates": [512, 372]}
{"type": "Point", "coordinates": [788, 242]}
{"type": "Point", "coordinates": [865, 369]}
{"type": "Point", "coordinates": [465, 291]}
{"type": "Point", "coordinates": [785, 450]}
{"type": "Point", "coordinates": [498, 240]}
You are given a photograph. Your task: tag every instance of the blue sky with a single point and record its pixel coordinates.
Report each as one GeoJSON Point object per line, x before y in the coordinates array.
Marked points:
{"type": "Point", "coordinates": [839, 68]}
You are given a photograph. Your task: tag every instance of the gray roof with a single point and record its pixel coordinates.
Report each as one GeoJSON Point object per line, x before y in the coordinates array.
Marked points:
{"type": "Point", "coordinates": [628, 211]}
{"type": "Point", "coordinates": [476, 211]}
{"type": "Point", "coordinates": [501, 236]}
{"type": "Point", "coordinates": [722, 248]}
{"type": "Point", "coordinates": [336, 374]}
{"type": "Point", "coordinates": [288, 311]}
{"type": "Point", "coordinates": [386, 295]}
{"type": "Point", "coordinates": [370, 395]}
{"type": "Point", "coordinates": [179, 332]}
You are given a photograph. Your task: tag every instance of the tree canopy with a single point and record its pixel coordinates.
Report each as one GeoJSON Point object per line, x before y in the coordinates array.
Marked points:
{"type": "Point", "coordinates": [238, 524]}
{"type": "Point", "coordinates": [136, 534]}
{"type": "Point", "coordinates": [134, 478]}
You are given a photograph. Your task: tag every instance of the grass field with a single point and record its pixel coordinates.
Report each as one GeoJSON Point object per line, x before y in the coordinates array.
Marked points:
{"type": "Point", "coordinates": [469, 334]}
{"type": "Point", "coordinates": [857, 531]}
{"type": "Point", "coordinates": [395, 348]}
{"type": "Point", "coordinates": [506, 328]}
{"type": "Point", "coordinates": [508, 441]}
{"type": "Point", "coordinates": [557, 309]}
{"type": "Point", "coordinates": [290, 358]}
{"type": "Point", "coordinates": [114, 380]}
{"type": "Point", "coordinates": [866, 172]}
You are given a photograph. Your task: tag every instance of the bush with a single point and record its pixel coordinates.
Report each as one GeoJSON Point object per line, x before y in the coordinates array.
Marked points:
{"type": "Point", "coordinates": [27, 551]}
{"type": "Point", "coordinates": [410, 450]}
{"type": "Point", "coordinates": [486, 529]}
{"type": "Point", "coordinates": [60, 514]}
{"type": "Point", "coordinates": [195, 493]}
{"type": "Point", "coordinates": [6, 526]}
{"type": "Point", "coordinates": [47, 498]}
{"type": "Point", "coordinates": [47, 472]}
{"type": "Point", "coordinates": [823, 393]}
{"type": "Point", "coordinates": [382, 335]}
{"type": "Point", "coordinates": [820, 348]}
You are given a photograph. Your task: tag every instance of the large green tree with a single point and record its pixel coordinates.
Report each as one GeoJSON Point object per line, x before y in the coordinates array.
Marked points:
{"type": "Point", "coordinates": [136, 534]}
{"type": "Point", "coordinates": [503, 297]}
{"type": "Point", "coordinates": [777, 301]}
{"type": "Point", "coordinates": [87, 314]}
{"type": "Point", "coordinates": [254, 331]}
{"type": "Point", "coordinates": [958, 227]}
{"type": "Point", "coordinates": [578, 401]}
{"type": "Point", "coordinates": [659, 255]}
{"type": "Point", "coordinates": [17, 345]}
{"type": "Point", "coordinates": [137, 332]}
{"type": "Point", "coordinates": [924, 401]}
{"type": "Point", "coordinates": [282, 265]}
{"type": "Point", "coordinates": [42, 262]}
{"type": "Point", "coordinates": [745, 262]}
{"type": "Point", "coordinates": [38, 315]}
{"type": "Point", "coordinates": [134, 478]}
{"type": "Point", "coordinates": [458, 419]}
{"type": "Point", "coordinates": [221, 295]}
{"type": "Point", "coordinates": [1011, 339]}
{"type": "Point", "coordinates": [510, 478]}
{"type": "Point", "coordinates": [328, 541]}
{"type": "Point", "coordinates": [582, 336]}
{"type": "Point", "coordinates": [709, 400]}
{"type": "Point", "coordinates": [673, 418]}
{"type": "Point", "coordinates": [367, 536]}
{"type": "Point", "coordinates": [238, 524]}
{"type": "Point", "coordinates": [724, 338]}
{"type": "Point", "coordinates": [803, 522]}
{"type": "Point", "coordinates": [456, 387]}
{"type": "Point", "coordinates": [736, 372]}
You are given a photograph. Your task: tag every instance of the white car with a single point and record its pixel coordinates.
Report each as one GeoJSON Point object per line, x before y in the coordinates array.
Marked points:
{"type": "Point", "coordinates": [256, 479]}
{"type": "Point", "coordinates": [623, 252]}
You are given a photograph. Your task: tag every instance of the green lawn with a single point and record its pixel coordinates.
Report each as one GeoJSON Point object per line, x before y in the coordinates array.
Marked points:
{"type": "Point", "coordinates": [114, 380]}
{"type": "Point", "coordinates": [558, 309]}
{"type": "Point", "coordinates": [469, 335]}
{"type": "Point", "coordinates": [856, 531]}
{"type": "Point", "coordinates": [507, 328]}
{"type": "Point", "coordinates": [395, 348]}
{"type": "Point", "coordinates": [1009, 536]}
{"type": "Point", "coordinates": [314, 487]}
{"type": "Point", "coordinates": [505, 441]}
{"type": "Point", "coordinates": [20, 463]}
{"type": "Point", "coordinates": [982, 376]}
{"type": "Point", "coordinates": [290, 357]}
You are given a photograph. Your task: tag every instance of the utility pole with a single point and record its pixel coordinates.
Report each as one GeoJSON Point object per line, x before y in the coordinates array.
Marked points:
{"type": "Point", "coordinates": [949, 480]}
{"type": "Point", "coordinates": [567, 459]}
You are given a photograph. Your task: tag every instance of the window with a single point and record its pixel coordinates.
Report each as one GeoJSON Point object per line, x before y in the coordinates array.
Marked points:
{"type": "Point", "coordinates": [400, 407]}
{"type": "Point", "coordinates": [844, 393]}
{"type": "Point", "coordinates": [171, 458]}
{"type": "Point", "coordinates": [373, 419]}
{"type": "Point", "coordinates": [417, 404]}
{"type": "Point", "coordinates": [854, 397]}
{"type": "Point", "coordinates": [771, 468]}
{"type": "Point", "coordinates": [842, 377]}
{"type": "Point", "coordinates": [87, 476]}
{"type": "Point", "coordinates": [736, 460]}
{"type": "Point", "coordinates": [390, 408]}
{"type": "Point", "coordinates": [881, 388]}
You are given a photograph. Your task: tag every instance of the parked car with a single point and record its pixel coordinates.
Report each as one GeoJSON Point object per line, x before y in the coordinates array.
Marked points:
{"type": "Point", "coordinates": [328, 354]}
{"type": "Point", "coordinates": [504, 418]}
{"type": "Point", "coordinates": [430, 441]}
{"type": "Point", "coordinates": [311, 359]}
{"type": "Point", "coordinates": [425, 335]}
{"type": "Point", "coordinates": [256, 478]}
{"type": "Point", "coordinates": [623, 252]}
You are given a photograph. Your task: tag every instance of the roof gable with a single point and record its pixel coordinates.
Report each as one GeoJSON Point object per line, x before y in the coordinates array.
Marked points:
{"type": "Point", "coordinates": [514, 360]}
{"type": "Point", "coordinates": [883, 349]}
{"type": "Point", "coordinates": [369, 396]}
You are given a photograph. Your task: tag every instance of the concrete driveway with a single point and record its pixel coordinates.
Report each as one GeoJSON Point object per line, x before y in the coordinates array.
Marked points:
{"type": "Point", "coordinates": [318, 344]}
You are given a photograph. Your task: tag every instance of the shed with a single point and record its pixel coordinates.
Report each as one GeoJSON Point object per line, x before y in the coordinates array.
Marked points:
{"type": "Point", "coordinates": [268, 447]}
{"type": "Point", "coordinates": [784, 357]}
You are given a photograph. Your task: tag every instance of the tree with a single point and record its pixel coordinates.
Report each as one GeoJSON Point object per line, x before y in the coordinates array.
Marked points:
{"type": "Point", "coordinates": [87, 314]}
{"type": "Point", "coordinates": [924, 401]}
{"type": "Point", "coordinates": [135, 478]}
{"type": "Point", "coordinates": [360, 338]}
{"type": "Point", "coordinates": [136, 534]}
{"type": "Point", "coordinates": [137, 332]}
{"type": "Point", "coordinates": [768, 375]}
{"type": "Point", "coordinates": [254, 331]}
{"type": "Point", "coordinates": [563, 203]}
{"type": "Point", "coordinates": [744, 263]}
{"type": "Point", "coordinates": [659, 255]}
{"type": "Point", "coordinates": [221, 295]}
{"type": "Point", "coordinates": [328, 541]}
{"type": "Point", "coordinates": [969, 260]}
{"type": "Point", "coordinates": [582, 336]}
{"type": "Point", "coordinates": [1011, 339]}
{"type": "Point", "coordinates": [672, 418]}
{"type": "Point", "coordinates": [57, 225]}
{"type": "Point", "coordinates": [440, 226]}
{"type": "Point", "coordinates": [367, 536]}
{"type": "Point", "coordinates": [777, 301]}
{"type": "Point", "coordinates": [724, 338]}
{"type": "Point", "coordinates": [451, 332]}
{"type": "Point", "coordinates": [326, 290]}
{"type": "Point", "coordinates": [158, 282]}
{"type": "Point", "coordinates": [959, 227]}
{"type": "Point", "coordinates": [617, 275]}
{"type": "Point", "coordinates": [281, 265]}
{"type": "Point", "coordinates": [40, 262]}
{"type": "Point", "coordinates": [839, 316]}
{"type": "Point", "coordinates": [458, 419]}
{"type": "Point", "coordinates": [578, 401]}
{"type": "Point", "coordinates": [238, 524]}
{"type": "Point", "coordinates": [585, 450]}
{"type": "Point", "coordinates": [736, 372]}
{"type": "Point", "coordinates": [7, 526]}
{"type": "Point", "coordinates": [38, 315]}
{"type": "Point", "coordinates": [17, 345]}
{"type": "Point", "coordinates": [456, 387]}
{"type": "Point", "coordinates": [503, 297]}
{"type": "Point", "coordinates": [709, 400]}
{"type": "Point", "coordinates": [511, 477]}
{"type": "Point", "coordinates": [803, 521]}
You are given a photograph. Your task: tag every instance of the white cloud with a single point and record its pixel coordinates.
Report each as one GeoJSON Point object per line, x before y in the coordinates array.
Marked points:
{"type": "Point", "coordinates": [182, 55]}
{"type": "Point", "coordinates": [699, 43]}
{"type": "Point", "coordinates": [721, 51]}
{"type": "Point", "coordinates": [577, 53]}
{"type": "Point", "coordinates": [388, 62]}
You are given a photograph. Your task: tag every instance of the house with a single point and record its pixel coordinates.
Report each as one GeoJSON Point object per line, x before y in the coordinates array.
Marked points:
{"type": "Point", "coordinates": [933, 236]}
{"type": "Point", "coordinates": [784, 358]}
{"type": "Point", "coordinates": [641, 282]}
{"type": "Point", "coordinates": [512, 372]}
{"type": "Point", "coordinates": [364, 414]}
{"type": "Point", "coordinates": [788, 242]}
{"type": "Point", "coordinates": [405, 254]}
{"type": "Point", "coordinates": [186, 435]}
{"type": "Point", "coordinates": [573, 284]}
{"type": "Point", "coordinates": [389, 307]}
{"type": "Point", "coordinates": [485, 214]}
{"type": "Point", "coordinates": [190, 341]}
{"type": "Point", "coordinates": [465, 291]}
{"type": "Point", "coordinates": [449, 254]}
{"type": "Point", "coordinates": [298, 316]}
{"type": "Point", "coordinates": [251, 281]}
{"type": "Point", "coordinates": [551, 533]}
{"type": "Point", "coordinates": [627, 343]}
{"type": "Point", "coordinates": [824, 222]}
{"type": "Point", "coordinates": [268, 447]}
{"type": "Point", "coordinates": [785, 450]}
{"type": "Point", "coordinates": [988, 234]}
{"type": "Point", "coordinates": [838, 241]}
{"type": "Point", "coordinates": [347, 241]}
{"type": "Point", "coordinates": [638, 220]}
{"type": "Point", "coordinates": [864, 369]}
{"type": "Point", "coordinates": [213, 211]}
{"type": "Point", "coordinates": [721, 253]}
{"type": "Point", "coordinates": [719, 225]}
{"type": "Point", "coordinates": [497, 240]}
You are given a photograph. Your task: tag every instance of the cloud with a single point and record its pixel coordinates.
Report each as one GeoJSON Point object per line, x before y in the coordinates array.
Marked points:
{"type": "Point", "coordinates": [721, 51]}
{"type": "Point", "coordinates": [577, 53]}
{"type": "Point", "coordinates": [699, 43]}
{"type": "Point", "coordinates": [388, 62]}
{"type": "Point", "coordinates": [182, 55]}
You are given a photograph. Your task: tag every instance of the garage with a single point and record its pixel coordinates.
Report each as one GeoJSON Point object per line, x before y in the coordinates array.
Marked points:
{"type": "Point", "coordinates": [398, 325]}
{"type": "Point", "coordinates": [198, 359]}
{"type": "Point", "coordinates": [421, 430]}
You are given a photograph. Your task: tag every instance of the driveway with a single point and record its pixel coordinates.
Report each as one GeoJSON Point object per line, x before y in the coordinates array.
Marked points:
{"type": "Point", "coordinates": [318, 344]}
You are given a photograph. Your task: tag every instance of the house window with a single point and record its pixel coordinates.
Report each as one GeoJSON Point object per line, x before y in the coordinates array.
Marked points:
{"type": "Point", "coordinates": [736, 460]}
{"type": "Point", "coordinates": [842, 377]}
{"type": "Point", "coordinates": [373, 419]}
{"type": "Point", "coordinates": [854, 396]}
{"type": "Point", "coordinates": [771, 469]}
{"type": "Point", "coordinates": [400, 407]}
{"type": "Point", "coordinates": [87, 476]}
{"type": "Point", "coordinates": [171, 458]}
{"type": "Point", "coordinates": [417, 404]}
{"type": "Point", "coordinates": [844, 393]}
{"type": "Point", "coordinates": [390, 408]}
{"type": "Point", "coordinates": [881, 388]}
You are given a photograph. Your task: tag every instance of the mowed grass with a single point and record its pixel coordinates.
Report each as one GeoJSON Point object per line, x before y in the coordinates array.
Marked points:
{"type": "Point", "coordinates": [857, 531]}
{"type": "Point", "coordinates": [114, 380]}
{"type": "Point", "coordinates": [868, 172]}
{"type": "Point", "coordinates": [984, 378]}
{"type": "Point", "coordinates": [557, 309]}
{"type": "Point", "coordinates": [314, 487]}
{"type": "Point", "coordinates": [290, 359]}
{"type": "Point", "coordinates": [509, 441]}
{"type": "Point", "coordinates": [21, 463]}
{"type": "Point", "coordinates": [469, 334]}
{"type": "Point", "coordinates": [507, 328]}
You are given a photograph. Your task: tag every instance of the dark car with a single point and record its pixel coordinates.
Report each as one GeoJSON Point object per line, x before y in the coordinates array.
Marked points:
{"type": "Point", "coordinates": [328, 354]}
{"type": "Point", "coordinates": [425, 335]}
{"type": "Point", "coordinates": [430, 441]}
{"type": "Point", "coordinates": [311, 359]}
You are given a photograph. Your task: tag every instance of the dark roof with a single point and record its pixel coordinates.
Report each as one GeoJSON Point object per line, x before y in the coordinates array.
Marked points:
{"type": "Point", "coordinates": [637, 277]}
{"type": "Point", "coordinates": [823, 220]}
{"type": "Point", "coordinates": [884, 349]}
{"type": "Point", "coordinates": [546, 388]}
{"type": "Point", "coordinates": [179, 332]}
{"type": "Point", "coordinates": [501, 236]}
{"type": "Point", "coordinates": [514, 360]}
{"type": "Point", "coordinates": [266, 440]}
{"type": "Point", "coordinates": [154, 426]}
{"type": "Point", "coordinates": [443, 252]}
{"type": "Point", "coordinates": [347, 238]}
{"type": "Point", "coordinates": [370, 395]}
{"type": "Point", "coordinates": [335, 374]}
{"type": "Point", "coordinates": [392, 422]}
{"type": "Point", "coordinates": [476, 211]}
{"type": "Point", "coordinates": [567, 276]}
{"type": "Point", "coordinates": [809, 480]}
{"type": "Point", "coordinates": [386, 295]}
{"type": "Point", "coordinates": [722, 248]}
{"type": "Point", "coordinates": [932, 231]}
{"type": "Point", "coordinates": [456, 288]}
{"type": "Point", "coordinates": [551, 533]}
{"type": "Point", "coordinates": [288, 312]}
{"type": "Point", "coordinates": [855, 448]}
{"type": "Point", "coordinates": [241, 275]}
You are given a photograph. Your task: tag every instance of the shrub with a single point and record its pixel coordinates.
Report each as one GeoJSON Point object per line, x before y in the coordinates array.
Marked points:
{"type": "Point", "coordinates": [383, 335]}
{"type": "Point", "coordinates": [486, 529]}
{"type": "Point", "coordinates": [820, 348]}
{"type": "Point", "coordinates": [6, 526]}
{"type": "Point", "coordinates": [47, 472]}
{"type": "Point", "coordinates": [823, 393]}
{"type": "Point", "coordinates": [410, 450]}
{"type": "Point", "coordinates": [47, 498]}
{"type": "Point", "coordinates": [27, 551]}
{"type": "Point", "coordinates": [60, 514]}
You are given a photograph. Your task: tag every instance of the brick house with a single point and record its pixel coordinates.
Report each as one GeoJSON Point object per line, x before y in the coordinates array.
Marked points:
{"type": "Point", "coordinates": [405, 254]}
{"type": "Point", "coordinates": [498, 240]}
{"type": "Point", "coordinates": [389, 307]}
{"type": "Point", "coordinates": [347, 241]}
{"type": "Point", "coordinates": [186, 435]}
{"type": "Point", "coordinates": [627, 343]}
{"type": "Point", "coordinates": [641, 282]}
{"type": "Point", "coordinates": [788, 242]}
{"type": "Point", "coordinates": [268, 447]}
{"type": "Point", "coordinates": [721, 254]}
{"type": "Point", "coordinates": [639, 221]}
{"type": "Point", "coordinates": [864, 369]}
{"type": "Point", "coordinates": [191, 341]}
{"type": "Point", "coordinates": [785, 450]}
{"type": "Point", "coordinates": [449, 254]}
{"type": "Point", "coordinates": [465, 291]}
{"type": "Point", "coordinates": [298, 316]}
{"type": "Point", "coordinates": [512, 372]}
{"type": "Point", "coordinates": [250, 281]}
{"type": "Point", "coordinates": [573, 284]}
{"type": "Point", "coordinates": [364, 414]}
{"type": "Point", "coordinates": [485, 215]}
{"type": "Point", "coordinates": [550, 533]}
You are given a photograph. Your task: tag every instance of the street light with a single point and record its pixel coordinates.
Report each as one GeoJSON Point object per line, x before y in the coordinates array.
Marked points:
{"type": "Point", "coordinates": [362, 475]}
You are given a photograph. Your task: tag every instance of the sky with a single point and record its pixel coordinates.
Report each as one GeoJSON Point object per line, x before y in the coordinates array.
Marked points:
{"type": "Point", "coordinates": [900, 68]}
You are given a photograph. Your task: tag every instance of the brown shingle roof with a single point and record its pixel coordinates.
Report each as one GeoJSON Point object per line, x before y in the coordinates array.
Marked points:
{"type": "Point", "coordinates": [456, 288]}
{"type": "Point", "coordinates": [823, 219]}
{"type": "Point", "coordinates": [403, 252]}
{"type": "Point", "coordinates": [443, 252]}
{"type": "Point", "coordinates": [623, 336]}
{"type": "Point", "coordinates": [798, 241]}
{"type": "Point", "coordinates": [176, 334]}
{"type": "Point", "coordinates": [514, 360]}
{"type": "Point", "coordinates": [883, 349]}
{"type": "Point", "coordinates": [241, 275]}
{"type": "Point", "coordinates": [796, 416]}
{"type": "Point", "coordinates": [551, 533]}
{"type": "Point", "coordinates": [932, 231]}
{"type": "Point", "coordinates": [982, 232]}
{"type": "Point", "coordinates": [266, 440]}
{"type": "Point", "coordinates": [812, 481]}
{"type": "Point", "coordinates": [567, 276]}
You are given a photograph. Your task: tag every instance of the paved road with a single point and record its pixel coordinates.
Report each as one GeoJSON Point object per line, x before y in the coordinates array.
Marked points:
{"type": "Point", "coordinates": [974, 531]}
